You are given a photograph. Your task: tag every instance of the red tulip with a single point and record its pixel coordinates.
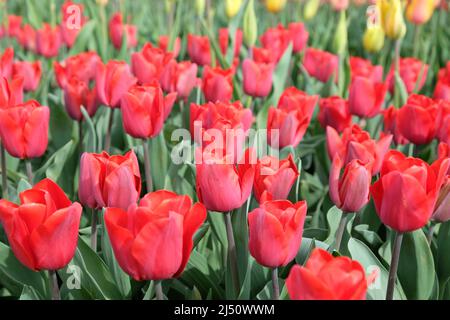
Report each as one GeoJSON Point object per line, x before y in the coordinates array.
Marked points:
{"type": "Point", "coordinates": [257, 77]}
{"type": "Point", "coordinates": [148, 64]}
{"type": "Point", "coordinates": [14, 24]}
{"type": "Point", "coordinates": [360, 67]}
{"type": "Point", "coordinates": [334, 112]}
{"type": "Point", "coordinates": [274, 178]}
{"type": "Point", "coordinates": [390, 119]}
{"type": "Point", "coordinates": [366, 97]}
{"type": "Point", "coordinates": [443, 122]}
{"type": "Point", "coordinates": [117, 30]}
{"type": "Point", "coordinates": [27, 37]}
{"type": "Point", "coordinates": [48, 41]}
{"type": "Point", "coordinates": [442, 208]}
{"type": "Point", "coordinates": [163, 44]}
{"type": "Point", "coordinates": [320, 64]}
{"type": "Point", "coordinates": [144, 110]}
{"type": "Point", "coordinates": [43, 230]}
{"type": "Point", "coordinates": [6, 63]}
{"type": "Point", "coordinates": [350, 192]}
{"type": "Point", "coordinates": [221, 185]}
{"type": "Point", "coordinates": [24, 129]}
{"type": "Point", "coordinates": [299, 36]}
{"type": "Point", "coordinates": [11, 92]}
{"type": "Point", "coordinates": [356, 143]}
{"type": "Point", "coordinates": [82, 66]}
{"type": "Point", "coordinates": [77, 94]}
{"type": "Point", "coordinates": [413, 73]}
{"type": "Point", "coordinates": [109, 181]}
{"type": "Point", "coordinates": [153, 241]}
{"type": "Point", "coordinates": [199, 50]}
{"type": "Point", "coordinates": [417, 119]}
{"type": "Point", "coordinates": [407, 191]}
{"type": "Point", "coordinates": [276, 40]}
{"type": "Point", "coordinates": [217, 84]}
{"type": "Point", "coordinates": [180, 77]}
{"type": "Point", "coordinates": [325, 277]}
{"type": "Point", "coordinates": [442, 89]}
{"type": "Point", "coordinates": [113, 81]}
{"type": "Point", "coordinates": [30, 72]}
{"type": "Point", "coordinates": [287, 123]}
{"type": "Point", "coordinates": [70, 26]}
{"type": "Point", "coordinates": [275, 232]}
{"type": "Point", "coordinates": [224, 40]}
{"type": "Point", "coordinates": [262, 55]}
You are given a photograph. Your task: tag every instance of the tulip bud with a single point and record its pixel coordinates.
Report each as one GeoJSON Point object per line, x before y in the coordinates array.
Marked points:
{"type": "Point", "coordinates": [232, 7]}
{"type": "Point", "coordinates": [392, 18]}
{"type": "Point", "coordinates": [200, 7]}
{"type": "Point", "coordinates": [275, 6]}
{"type": "Point", "coordinates": [310, 9]}
{"type": "Point", "coordinates": [373, 39]}
{"type": "Point", "coordinates": [250, 26]}
{"type": "Point", "coordinates": [340, 36]}
{"type": "Point", "coordinates": [420, 11]}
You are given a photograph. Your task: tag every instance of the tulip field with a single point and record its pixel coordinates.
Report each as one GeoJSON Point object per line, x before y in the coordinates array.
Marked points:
{"type": "Point", "coordinates": [225, 150]}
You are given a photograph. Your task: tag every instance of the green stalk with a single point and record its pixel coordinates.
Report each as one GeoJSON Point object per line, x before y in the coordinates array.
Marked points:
{"type": "Point", "coordinates": [394, 266]}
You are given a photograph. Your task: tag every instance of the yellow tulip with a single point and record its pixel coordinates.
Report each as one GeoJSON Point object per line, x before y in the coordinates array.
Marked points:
{"type": "Point", "coordinates": [420, 11]}
{"type": "Point", "coordinates": [232, 7]}
{"type": "Point", "coordinates": [310, 9]}
{"type": "Point", "coordinates": [373, 39]}
{"type": "Point", "coordinates": [200, 7]}
{"type": "Point", "coordinates": [392, 18]}
{"type": "Point", "coordinates": [275, 6]}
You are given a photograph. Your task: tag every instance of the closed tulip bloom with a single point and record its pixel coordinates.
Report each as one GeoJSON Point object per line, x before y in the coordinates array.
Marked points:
{"type": "Point", "coordinates": [30, 72]}
{"type": "Point", "coordinates": [224, 40]}
{"type": "Point", "coordinates": [153, 241]}
{"type": "Point", "coordinates": [373, 38]}
{"type": "Point", "coordinates": [442, 208]}
{"type": "Point", "coordinates": [350, 192]}
{"type": "Point", "coordinates": [443, 122]}
{"type": "Point", "coordinates": [275, 6]}
{"type": "Point", "coordinates": [274, 178]}
{"type": "Point", "coordinates": [109, 181]}
{"type": "Point", "coordinates": [391, 13]}
{"type": "Point", "coordinates": [275, 232]}
{"type": "Point", "coordinates": [366, 97]}
{"type": "Point", "coordinates": [11, 92]}
{"type": "Point", "coordinates": [118, 29]}
{"type": "Point", "coordinates": [299, 36]}
{"type": "Point", "coordinates": [232, 7]}
{"type": "Point", "coordinates": [179, 77]}
{"type": "Point", "coordinates": [148, 64]}
{"type": "Point", "coordinates": [199, 50]}
{"type": "Point", "coordinates": [43, 230]}
{"type": "Point", "coordinates": [24, 129]}
{"type": "Point", "coordinates": [6, 63]}
{"type": "Point", "coordinates": [356, 143]}
{"type": "Point", "coordinates": [48, 41]}
{"type": "Point", "coordinates": [390, 120]}
{"type": "Point", "coordinates": [417, 119]}
{"type": "Point", "coordinates": [113, 81]}
{"type": "Point", "coordinates": [14, 24]}
{"type": "Point", "coordinates": [413, 73]}
{"type": "Point", "coordinates": [419, 11]}
{"type": "Point", "coordinates": [221, 185]}
{"type": "Point", "coordinates": [334, 112]}
{"type": "Point", "coordinates": [360, 67]}
{"type": "Point", "coordinates": [144, 110]}
{"type": "Point", "coordinates": [407, 191]}
{"type": "Point", "coordinates": [77, 94]}
{"type": "Point", "coordinates": [442, 89]}
{"type": "Point", "coordinates": [262, 55]}
{"type": "Point", "coordinates": [276, 40]}
{"type": "Point", "coordinates": [320, 64]}
{"type": "Point", "coordinates": [82, 66]}
{"type": "Point", "coordinates": [163, 44]}
{"type": "Point", "coordinates": [257, 77]}
{"type": "Point", "coordinates": [287, 123]}
{"type": "Point", "coordinates": [325, 277]}
{"type": "Point", "coordinates": [27, 38]}
{"type": "Point", "coordinates": [217, 84]}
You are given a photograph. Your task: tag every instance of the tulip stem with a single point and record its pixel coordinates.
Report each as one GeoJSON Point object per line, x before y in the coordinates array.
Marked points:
{"type": "Point", "coordinates": [80, 137]}
{"type": "Point", "coordinates": [4, 172]}
{"type": "Point", "coordinates": [340, 231]}
{"type": "Point", "coordinates": [158, 290]}
{"type": "Point", "coordinates": [29, 171]}
{"type": "Point", "coordinates": [430, 233]}
{"type": "Point", "coordinates": [394, 265]}
{"type": "Point", "coordinates": [108, 131]}
{"type": "Point", "coordinates": [94, 230]}
{"type": "Point", "coordinates": [275, 285]}
{"type": "Point", "coordinates": [54, 285]}
{"type": "Point", "coordinates": [232, 255]}
{"type": "Point", "coordinates": [148, 171]}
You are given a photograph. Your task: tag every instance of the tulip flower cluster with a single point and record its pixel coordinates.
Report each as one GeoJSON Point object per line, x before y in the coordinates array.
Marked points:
{"type": "Point", "coordinates": [263, 149]}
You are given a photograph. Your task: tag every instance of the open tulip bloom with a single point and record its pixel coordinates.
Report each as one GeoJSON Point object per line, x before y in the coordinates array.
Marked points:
{"type": "Point", "coordinates": [225, 150]}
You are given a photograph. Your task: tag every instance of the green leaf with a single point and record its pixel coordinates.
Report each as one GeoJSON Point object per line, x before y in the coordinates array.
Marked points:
{"type": "Point", "coordinates": [416, 267]}
{"type": "Point", "coordinates": [333, 219]}
{"type": "Point", "coordinates": [83, 38]}
{"type": "Point", "coordinates": [55, 164]}
{"type": "Point", "coordinates": [443, 256]}
{"type": "Point", "coordinates": [29, 293]}
{"type": "Point", "coordinates": [377, 291]}
{"type": "Point", "coordinates": [159, 159]}
{"type": "Point", "coordinates": [92, 136]}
